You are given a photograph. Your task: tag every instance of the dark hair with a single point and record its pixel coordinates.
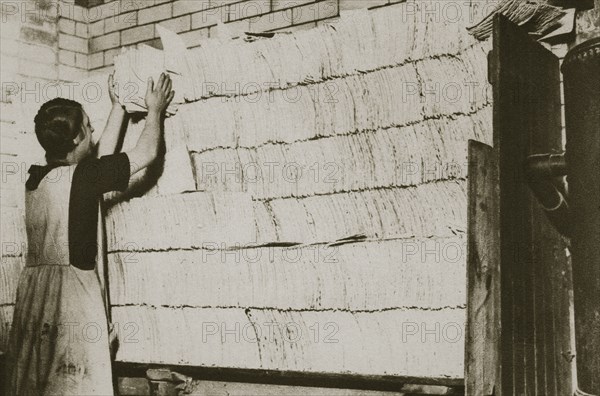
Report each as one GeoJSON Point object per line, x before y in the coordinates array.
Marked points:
{"type": "Point", "coordinates": [57, 124]}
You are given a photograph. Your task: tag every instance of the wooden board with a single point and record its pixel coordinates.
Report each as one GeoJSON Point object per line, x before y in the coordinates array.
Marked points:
{"type": "Point", "coordinates": [134, 383]}
{"type": "Point", "coordinates": [482, 342]}
{"type": "Point", "coordinates": [217, 388]}
{"type": "Point", "coordinates": [535, 347]}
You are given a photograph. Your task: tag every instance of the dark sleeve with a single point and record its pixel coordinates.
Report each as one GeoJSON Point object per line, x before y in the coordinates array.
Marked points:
{"type": "Point", "coordinates": [104, 174]}
{"type": "Point", "coordinates": [92, 178]}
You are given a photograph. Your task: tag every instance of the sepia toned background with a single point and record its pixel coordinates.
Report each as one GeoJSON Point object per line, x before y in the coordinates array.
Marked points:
{"type": "Point", "coordinates": [310, 211]}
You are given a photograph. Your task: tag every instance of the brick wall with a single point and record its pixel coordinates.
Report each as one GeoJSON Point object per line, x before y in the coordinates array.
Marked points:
{"type": "Point", "coordinates": [72, 42]}
{"type": "Point", "coordinates": [86, 35]}
{"type": "Point", "coordinates": [126, 23]}
{"type": "Point", "coordinates": [29, 40]}
{"type": "Point", "coordinates": [44, 39]}
{"type": "Point", "coordinates": [28, 51]}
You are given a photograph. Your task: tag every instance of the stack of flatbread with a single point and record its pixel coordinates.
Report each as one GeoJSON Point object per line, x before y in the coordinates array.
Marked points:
{"type": "Point", "coordinates": [536, 16]}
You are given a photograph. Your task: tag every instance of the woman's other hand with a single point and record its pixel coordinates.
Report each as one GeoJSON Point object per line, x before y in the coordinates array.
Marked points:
{"type": "Point", "coordinates": [159, 95]}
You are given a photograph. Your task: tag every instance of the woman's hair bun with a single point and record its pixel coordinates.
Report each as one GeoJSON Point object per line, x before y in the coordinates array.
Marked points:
{"type": "Point", "coordinates": [57, 124]}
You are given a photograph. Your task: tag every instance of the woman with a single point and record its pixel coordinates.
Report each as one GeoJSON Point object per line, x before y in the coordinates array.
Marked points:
{"type": "Point", "coordinates": [59, 338]}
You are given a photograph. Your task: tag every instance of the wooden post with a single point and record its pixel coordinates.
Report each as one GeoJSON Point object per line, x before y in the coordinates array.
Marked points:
{"type": "Point", "coordinates": [531, 302]}
{"type": "Point", "coordinates": [482, 354]}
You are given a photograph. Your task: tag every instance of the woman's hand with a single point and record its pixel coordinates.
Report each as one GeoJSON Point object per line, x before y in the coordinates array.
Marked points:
{"type": "Point", "coordinates": [157, 100]}
{"type": "Point", "coordinates": [160, 96]}
{"type": "Point", "coordinates": [112, 130]}
{"type": "Point", "coordinates": [112, 89]}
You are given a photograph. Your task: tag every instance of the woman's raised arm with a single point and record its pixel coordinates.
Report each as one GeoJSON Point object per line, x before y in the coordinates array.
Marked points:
{"type": "Point", "coordinates": [110, 137]}
{"type": "Point", "coordinates": [158, 97]}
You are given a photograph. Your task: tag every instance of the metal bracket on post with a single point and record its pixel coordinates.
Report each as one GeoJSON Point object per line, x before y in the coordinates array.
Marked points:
{"type": "Point", "coordinates": [546, 165]}
{"type": "Point", "coordinates": [545, 174]}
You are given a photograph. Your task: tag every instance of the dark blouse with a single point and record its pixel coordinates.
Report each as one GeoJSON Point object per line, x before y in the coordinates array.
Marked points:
{"type": "Point", "coordinates": [92, 178]}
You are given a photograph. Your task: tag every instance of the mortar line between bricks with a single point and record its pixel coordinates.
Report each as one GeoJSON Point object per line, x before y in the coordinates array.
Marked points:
{"type": "Point", "coordinates": [348, 191]}
{"type": "Point", "coordinates": [455, 234]}
{"type": "Point", "coordinates": [366, 189]}
{"type": "Point", "coordinates": [257, 308]}
{"type": "Point", "coordinates": [449, 116]}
